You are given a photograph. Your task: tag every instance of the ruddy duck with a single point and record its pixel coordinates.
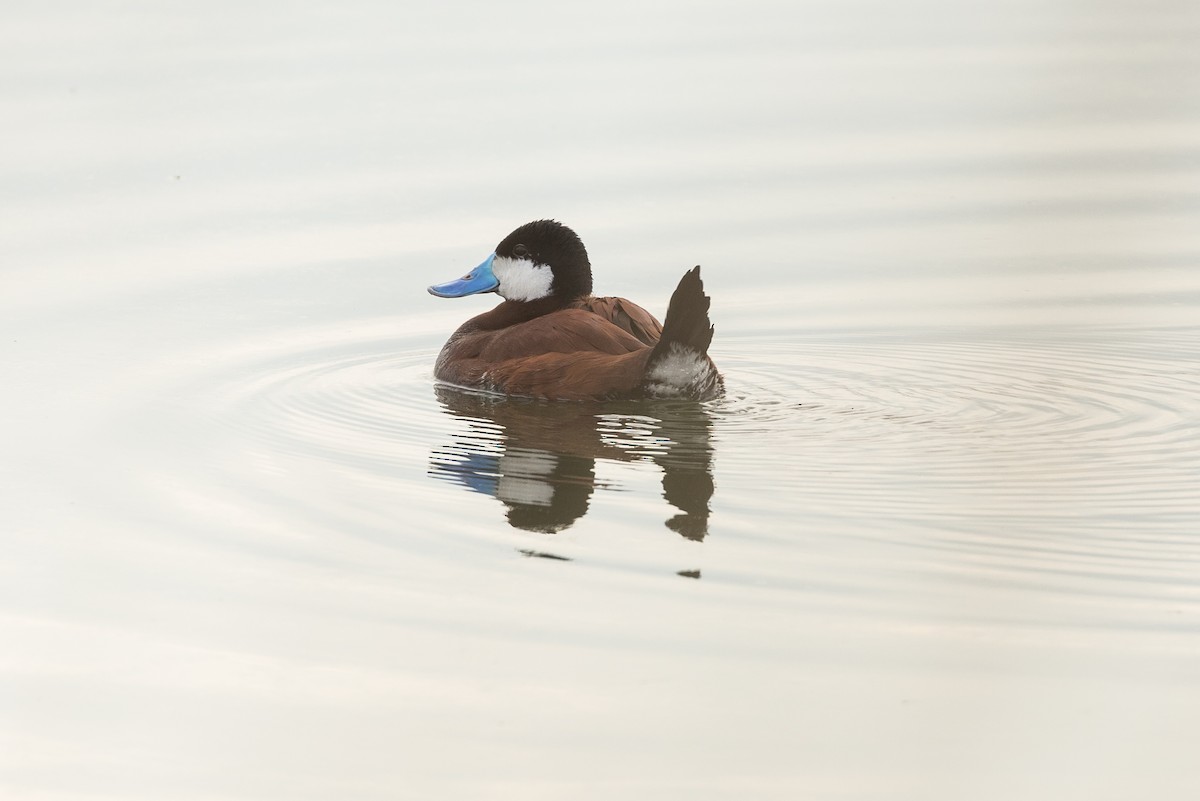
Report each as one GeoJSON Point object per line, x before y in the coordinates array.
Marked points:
{"type": "Point", "coordinates": [551, 338]}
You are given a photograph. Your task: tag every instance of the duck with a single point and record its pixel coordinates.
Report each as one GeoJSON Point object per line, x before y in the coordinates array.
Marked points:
{"type": "Point", "coordinates": [551, 338]}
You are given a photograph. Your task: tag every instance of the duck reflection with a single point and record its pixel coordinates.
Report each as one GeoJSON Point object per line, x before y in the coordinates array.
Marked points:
{"type": "Point", "coordinates": [539, 458]}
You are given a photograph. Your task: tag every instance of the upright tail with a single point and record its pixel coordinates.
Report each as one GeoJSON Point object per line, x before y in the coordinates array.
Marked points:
{"type": "Point", "coordinates": [679, 366]}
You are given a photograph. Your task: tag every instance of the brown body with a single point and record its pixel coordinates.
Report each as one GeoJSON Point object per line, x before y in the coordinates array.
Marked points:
{"type": "Point", "coordinates": [594, 348]}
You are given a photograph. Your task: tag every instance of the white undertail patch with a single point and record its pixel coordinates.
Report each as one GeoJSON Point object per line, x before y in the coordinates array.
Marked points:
{"type": "Point", "coordinates": [521, 279]}
{"type": "Point", "coordinates": [682, 373]}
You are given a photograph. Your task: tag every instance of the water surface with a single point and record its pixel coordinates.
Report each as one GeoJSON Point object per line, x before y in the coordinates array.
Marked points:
{"type": "Point", "coordinates": [938, 541]}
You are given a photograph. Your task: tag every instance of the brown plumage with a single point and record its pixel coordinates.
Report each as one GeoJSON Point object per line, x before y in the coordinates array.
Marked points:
{"type": "Point", "coordinates": [551, 338]}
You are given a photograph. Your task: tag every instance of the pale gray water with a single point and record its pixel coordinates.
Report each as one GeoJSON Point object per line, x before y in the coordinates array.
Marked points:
{"type": "Point", "coordinates": [940, 541]}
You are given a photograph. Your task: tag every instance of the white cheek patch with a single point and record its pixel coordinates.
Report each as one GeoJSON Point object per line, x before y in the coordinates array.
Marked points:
{"type": "Point", "coordinates": [521, 279]}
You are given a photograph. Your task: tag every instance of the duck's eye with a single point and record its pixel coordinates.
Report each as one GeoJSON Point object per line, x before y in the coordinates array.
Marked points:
{"type": "Point", "coordinates": [520, 251]}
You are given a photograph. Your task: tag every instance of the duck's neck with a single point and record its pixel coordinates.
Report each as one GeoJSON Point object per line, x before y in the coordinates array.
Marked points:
{"type": "Point", "coordinates": [513, 312]}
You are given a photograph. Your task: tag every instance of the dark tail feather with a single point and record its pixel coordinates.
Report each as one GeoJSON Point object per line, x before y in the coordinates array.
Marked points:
{"type": "Point", "coordinates": [687, 320]}
{"type": "Point", "coordinates": [679, 366]}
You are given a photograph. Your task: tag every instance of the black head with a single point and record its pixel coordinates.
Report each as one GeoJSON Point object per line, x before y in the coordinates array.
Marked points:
{"type": "Point", "coordinates": [527, 251]}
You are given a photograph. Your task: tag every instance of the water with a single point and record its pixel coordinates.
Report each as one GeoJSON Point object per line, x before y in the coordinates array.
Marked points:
{"type": "Point", "coordinates": [939, 541]}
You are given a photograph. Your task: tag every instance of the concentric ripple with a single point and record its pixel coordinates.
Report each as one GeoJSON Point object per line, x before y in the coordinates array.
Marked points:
{"type": "Point", "coordinates": [1029, 458]}
{"type": "Point", "coordinates": [1026, 458]}
{"type": "Point", "coordinates": [1117, 420]}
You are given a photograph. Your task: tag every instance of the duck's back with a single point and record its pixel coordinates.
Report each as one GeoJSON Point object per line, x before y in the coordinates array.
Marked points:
{"type": "Point", "coordinates": [626, 315]}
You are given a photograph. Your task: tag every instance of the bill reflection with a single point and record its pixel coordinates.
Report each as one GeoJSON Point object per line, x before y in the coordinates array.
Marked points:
{"type": "Point", "coordinates": [539, 459]}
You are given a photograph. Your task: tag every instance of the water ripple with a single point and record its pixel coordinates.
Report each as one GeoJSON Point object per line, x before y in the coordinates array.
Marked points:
{"type": "Point", "coordinates": [1021, 456]}
{"type": "Point", "coordinates": [1013, 457]}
